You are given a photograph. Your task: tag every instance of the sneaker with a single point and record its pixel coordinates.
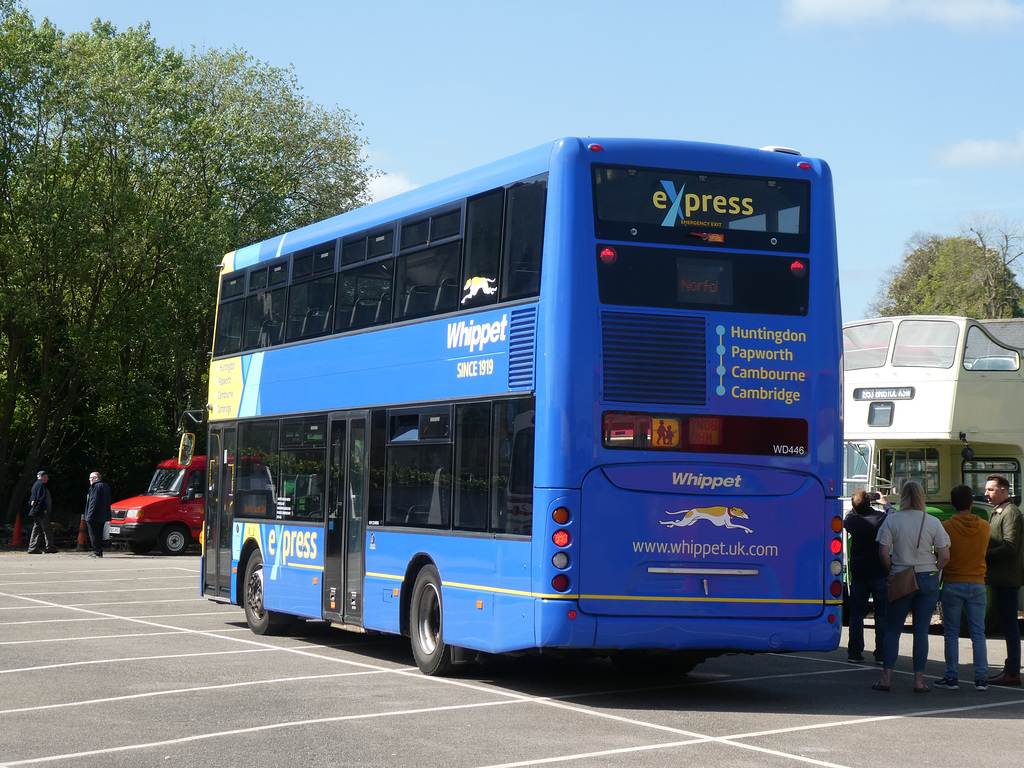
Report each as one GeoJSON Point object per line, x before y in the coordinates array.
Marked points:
{"type": "Point", "coordinates": [855, 658]}
{"type": "Point", "coordinates": [980, 685]}
{"type": "Point", "coordinates": [947, 684]}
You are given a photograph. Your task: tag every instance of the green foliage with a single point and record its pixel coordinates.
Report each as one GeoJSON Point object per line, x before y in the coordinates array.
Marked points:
{"type": "Point", "coordinates": [126, 171]}
{"type": "Point", "coordinates": [968, 275]}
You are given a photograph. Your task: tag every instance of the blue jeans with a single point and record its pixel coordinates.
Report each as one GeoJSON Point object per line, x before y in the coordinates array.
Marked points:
{"type": "Point", "coordinates": [860, 589]}
{"type": "Point", "coordinates": [957, 597]}
{"type": "Point", "coordinates": [1004, 600]}
{"type": "Point", "coordinates": [921, 604]}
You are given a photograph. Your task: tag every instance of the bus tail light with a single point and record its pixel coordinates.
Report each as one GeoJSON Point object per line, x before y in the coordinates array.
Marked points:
{"type": "Point", "coordinates": [836, 589]}
{"type": "Point", "coordinates": [560, 583]}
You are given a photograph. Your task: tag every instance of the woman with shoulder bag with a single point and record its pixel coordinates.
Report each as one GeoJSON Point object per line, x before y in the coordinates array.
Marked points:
{"type": "Point", "coordinates": [910, 538]}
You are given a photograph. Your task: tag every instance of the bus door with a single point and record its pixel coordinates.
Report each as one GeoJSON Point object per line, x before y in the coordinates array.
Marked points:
{"type": "Point", "coordinates": [217, 522]}
{"type": "Point", "coordinates": [346, 522]}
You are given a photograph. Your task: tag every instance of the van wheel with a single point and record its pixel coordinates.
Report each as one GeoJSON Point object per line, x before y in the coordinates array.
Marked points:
{"type": "Point", "coordinates": [141, 547]}
{"type": "Point", "coordinates": [260, 620]}
{"type": "Point", "coordinates": [174, 540]}
{"type": "Point", "coordinates": [426, 624]}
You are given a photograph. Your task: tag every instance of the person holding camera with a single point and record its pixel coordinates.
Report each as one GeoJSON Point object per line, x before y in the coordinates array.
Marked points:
{"type": "Point", "coordinates": [867, 574]}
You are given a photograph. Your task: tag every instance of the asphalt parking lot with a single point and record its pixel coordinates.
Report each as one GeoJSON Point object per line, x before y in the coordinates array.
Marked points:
{"type": "Point", "coordinates": [120, 662]}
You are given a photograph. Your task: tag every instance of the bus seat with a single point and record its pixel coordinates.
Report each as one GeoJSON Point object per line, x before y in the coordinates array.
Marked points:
{"type": "Point", "coordinates": [363, 313]}
{"type": "Point", "coordinates": [419, 514]}
{"type": "Point", "coordinates": [436, 515]}
{"type": "Point", "coordinates": [383, 314]}
{"type": "Point", "coordinates": [315, 321]}
{"type": "Point", "coordinates": [344, 317]}
{"type": "Point", "coordinates": [418, 301]}
{"type": "Point", "coordinates": [447, 297]}
{"type": "Point", "coordinates": [270, 333]}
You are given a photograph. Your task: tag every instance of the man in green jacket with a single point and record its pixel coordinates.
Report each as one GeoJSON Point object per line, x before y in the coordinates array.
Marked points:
{"type": "Point", "coordinates": [1005, 574]}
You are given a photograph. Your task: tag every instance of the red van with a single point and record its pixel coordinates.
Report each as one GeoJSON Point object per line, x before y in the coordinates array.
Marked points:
{"type": "Point", "coordinates": [169, 515]}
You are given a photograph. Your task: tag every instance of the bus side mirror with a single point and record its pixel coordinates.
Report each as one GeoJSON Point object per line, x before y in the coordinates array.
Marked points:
{"type": "Point", "coordinates": [185, 449]}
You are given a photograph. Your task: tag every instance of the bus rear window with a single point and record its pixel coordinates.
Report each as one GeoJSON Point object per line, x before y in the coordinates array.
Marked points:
{"type": "Point", "coordinates": [682, 207]}
{"type": "Point", "coordinates": [674, 279]}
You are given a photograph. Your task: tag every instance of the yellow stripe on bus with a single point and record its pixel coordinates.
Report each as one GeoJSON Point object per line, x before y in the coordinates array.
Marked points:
{"type": "Point", "coordinates": [631, 598]}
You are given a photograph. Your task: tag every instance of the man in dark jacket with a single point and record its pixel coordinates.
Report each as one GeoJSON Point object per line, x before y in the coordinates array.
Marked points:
{"type": "Point", "coordinates": [97, 512]}
{"type": "Point", "coordinates": [1005, 571]}
{"type": "Point", "coordinates": [867, 574]}
{"type": "Point", "coordinates": [40, 506]}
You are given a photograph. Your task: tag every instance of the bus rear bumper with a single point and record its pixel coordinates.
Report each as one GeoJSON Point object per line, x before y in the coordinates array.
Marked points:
{"type": "Point", "coordinates": [670, 633]}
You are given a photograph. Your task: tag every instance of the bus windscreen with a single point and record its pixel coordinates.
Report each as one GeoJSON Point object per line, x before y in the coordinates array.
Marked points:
{"type": "Point", "coordinates": [684, 207]}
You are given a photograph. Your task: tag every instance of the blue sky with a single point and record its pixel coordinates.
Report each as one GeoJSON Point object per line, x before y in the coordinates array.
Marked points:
{"type": "Point", "coordinates": [917, 105]}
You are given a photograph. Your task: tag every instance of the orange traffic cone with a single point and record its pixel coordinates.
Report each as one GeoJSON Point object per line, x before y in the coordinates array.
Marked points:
{"type": "Point", "coordinates": [16, 536]}
{"type": "Point", "coordinates": [83, 537]}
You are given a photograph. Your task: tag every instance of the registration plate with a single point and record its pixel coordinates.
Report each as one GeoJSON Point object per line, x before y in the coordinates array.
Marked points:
{"type": "Point", "coordinates": [115, 529]}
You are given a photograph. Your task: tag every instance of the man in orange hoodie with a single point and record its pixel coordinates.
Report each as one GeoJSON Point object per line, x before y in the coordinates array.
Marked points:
{"type": "Point", "coordinates": [963, 589]}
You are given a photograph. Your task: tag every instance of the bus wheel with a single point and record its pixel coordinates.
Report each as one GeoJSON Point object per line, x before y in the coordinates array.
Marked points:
{"type": "Point", "coordinates": [426, 628]}
{"type": "Point", "coordinates": [140, 547]}
{"type": "Point", "coordinates": [173, 540]}
{"type": "Point", "coordinates": [260, 620]}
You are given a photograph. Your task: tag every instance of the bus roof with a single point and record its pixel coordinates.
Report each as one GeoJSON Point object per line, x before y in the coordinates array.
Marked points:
{"type": "Point", "coordinates": [505, 171]}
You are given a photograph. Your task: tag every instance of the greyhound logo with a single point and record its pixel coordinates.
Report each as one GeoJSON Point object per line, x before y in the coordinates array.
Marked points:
{"type": "Point", "coordinates": [723, 517]}
{"type": "Point", "coordinates": [476, 285]}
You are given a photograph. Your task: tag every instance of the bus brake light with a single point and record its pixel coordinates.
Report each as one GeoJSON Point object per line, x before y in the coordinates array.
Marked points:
{"type": "Point", "coordinates": [837, 546]}
{"type": "Point", "coordinates": [798, 268]}
{"type": "Point", "coordinates": [561, 538]}
{"type": "Point", "coordinates": [608, 255]}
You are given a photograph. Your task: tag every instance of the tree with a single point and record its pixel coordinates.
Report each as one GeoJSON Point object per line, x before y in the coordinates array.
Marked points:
{"type": "Point", "coordinates": [969, 274]}
{"type": "Point", "coordinates": [126, 171]}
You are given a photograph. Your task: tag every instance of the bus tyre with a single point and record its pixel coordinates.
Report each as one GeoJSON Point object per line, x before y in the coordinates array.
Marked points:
{"type": "Point", "coordinates": [260, 620]}
{"type": "Point", "coordinates": [174, 540]}
{"type": "Point", "coordinates": [426, 627]}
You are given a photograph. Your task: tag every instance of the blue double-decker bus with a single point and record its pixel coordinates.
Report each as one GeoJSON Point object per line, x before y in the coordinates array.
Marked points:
{"type": "Point", "coordinates": [586, 398]}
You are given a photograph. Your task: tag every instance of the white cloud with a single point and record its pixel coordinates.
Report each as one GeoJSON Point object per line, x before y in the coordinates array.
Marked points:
{"type": "Point", "coordinates": [983, 153]}
{"type": "Point", "coordinates": [389, 185]}
{"type": "Point", "coordinates": [953, 13]}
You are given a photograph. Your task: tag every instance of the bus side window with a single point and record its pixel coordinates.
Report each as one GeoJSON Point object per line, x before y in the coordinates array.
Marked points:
{"type": "Point", "coordinates": [512, 467]}
{"type": "Point", "coordinates": [479, 286]}
{"type": "Point", "coordinates": [524, 240]}
{"type": "Point", "coordinates": [264, 319]}
{"type": "Point", "coordinates": [229, 328]}
{"type": "Point", "coordinates": [472, 441]}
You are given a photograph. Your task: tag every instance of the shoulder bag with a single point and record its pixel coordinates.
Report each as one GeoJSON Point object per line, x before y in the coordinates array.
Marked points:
{"type": "Point", "coordinates": [905, 582]}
